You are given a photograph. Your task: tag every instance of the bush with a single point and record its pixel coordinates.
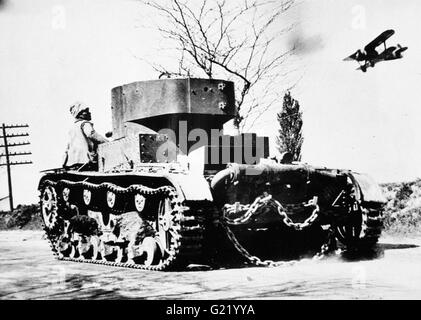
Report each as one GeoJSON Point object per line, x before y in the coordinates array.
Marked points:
{"type": "Point", "coordinates": [404, 192]}
{"type": "Point", "coordinates": [24, 216]}
{"type": "Point", "coordinates": [403, 222]}
{"type": "Point", "coordinates": [403, 210]}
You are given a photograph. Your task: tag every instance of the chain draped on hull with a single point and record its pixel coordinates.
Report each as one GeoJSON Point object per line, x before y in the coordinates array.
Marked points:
{"type": "Point", "coordinates": [336, 209]}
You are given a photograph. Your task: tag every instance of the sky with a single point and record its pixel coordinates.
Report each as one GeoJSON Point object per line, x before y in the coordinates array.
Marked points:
{"type": "Point", "coordinates": [54, 52]}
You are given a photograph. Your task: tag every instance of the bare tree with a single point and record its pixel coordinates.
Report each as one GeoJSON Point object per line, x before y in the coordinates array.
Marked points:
{"type": "Point", "coordinates": [233, 40]}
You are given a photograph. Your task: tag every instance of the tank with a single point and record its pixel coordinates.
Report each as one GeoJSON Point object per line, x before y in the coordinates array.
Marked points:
{"type": "Point", "coordinates": [173, 190]}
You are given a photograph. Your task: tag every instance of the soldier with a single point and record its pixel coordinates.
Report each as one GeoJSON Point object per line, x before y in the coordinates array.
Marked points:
{"type": "Point", "coordinates": [81, 151]}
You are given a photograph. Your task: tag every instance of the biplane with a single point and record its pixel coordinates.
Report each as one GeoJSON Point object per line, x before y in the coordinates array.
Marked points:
{"type": "Point", "coordinates": [370, 56]}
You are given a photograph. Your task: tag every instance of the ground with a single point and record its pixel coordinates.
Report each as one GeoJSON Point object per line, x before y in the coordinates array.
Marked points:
{"type": "Point", "coordinates": [28, 270]}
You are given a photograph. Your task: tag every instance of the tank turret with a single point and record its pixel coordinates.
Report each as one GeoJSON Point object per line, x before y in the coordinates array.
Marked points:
{"type": "Point", "coordinates": [181, 116]}
{"type": "Point", "coordinates": [162, 104]}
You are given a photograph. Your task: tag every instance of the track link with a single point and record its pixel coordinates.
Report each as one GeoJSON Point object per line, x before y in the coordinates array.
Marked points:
{"type": "Point", "coordinates": [373, 227]}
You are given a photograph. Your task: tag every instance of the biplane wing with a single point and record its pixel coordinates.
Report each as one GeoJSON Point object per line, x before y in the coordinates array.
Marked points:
{"type": "Point", "coordinates": [379, 40]}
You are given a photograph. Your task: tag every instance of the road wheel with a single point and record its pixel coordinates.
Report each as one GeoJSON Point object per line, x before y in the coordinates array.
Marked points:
{"type": "Point", "coordinates": [95, 242]}
{"type": "Point", "coordinates": [152, 251]}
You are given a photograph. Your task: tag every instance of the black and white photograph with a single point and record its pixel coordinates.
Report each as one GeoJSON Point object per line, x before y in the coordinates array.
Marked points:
{"type": "Point", "coordinates": [209, 154]}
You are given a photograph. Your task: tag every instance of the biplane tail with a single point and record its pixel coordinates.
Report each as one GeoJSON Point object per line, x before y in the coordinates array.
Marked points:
{"type": "Point", "coordinates": [401, 49]}
{"type": "Point", "coordinates": [363, 68]}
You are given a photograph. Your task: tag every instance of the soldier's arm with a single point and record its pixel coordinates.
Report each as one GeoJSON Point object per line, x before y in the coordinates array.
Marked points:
{"type": "Point", "coordinates": [89, 131]}
{"type": "Point", "coordinates": [66, 155]}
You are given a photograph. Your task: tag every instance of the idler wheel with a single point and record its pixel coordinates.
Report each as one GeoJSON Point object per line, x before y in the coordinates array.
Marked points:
{"type": "Point", "coordinates": [362, 231]}
{"type": "Point", "coordinates": [165, 225]}
{"type": "Point", "coordinates": [49, 207]}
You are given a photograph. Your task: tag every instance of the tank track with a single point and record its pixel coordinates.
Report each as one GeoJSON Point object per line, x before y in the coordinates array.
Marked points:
{"type": "Point", "coordinates": [370, 228]}
{"type": "Point", "coordinates": [373, 226]}
{"type": "Point", "coordinates": [189, 215]}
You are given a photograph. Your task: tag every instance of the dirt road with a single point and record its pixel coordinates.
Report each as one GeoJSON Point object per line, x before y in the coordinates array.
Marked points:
{"type": "Point", "coordinates": [29, 271]}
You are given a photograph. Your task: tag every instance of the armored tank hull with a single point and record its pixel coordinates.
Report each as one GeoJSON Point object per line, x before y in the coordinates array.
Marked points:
{"type": "Point", "coordinates": [160, 203]}
{"type": "Point", "coordinates": [166, 219]}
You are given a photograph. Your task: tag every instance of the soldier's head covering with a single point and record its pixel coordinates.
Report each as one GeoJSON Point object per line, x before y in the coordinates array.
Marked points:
{"type": "Point", "coordinates": [77, 108]}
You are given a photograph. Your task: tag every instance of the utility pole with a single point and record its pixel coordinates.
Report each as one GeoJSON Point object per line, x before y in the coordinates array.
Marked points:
{"type": "Point", "coordinates": [8, 154]}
